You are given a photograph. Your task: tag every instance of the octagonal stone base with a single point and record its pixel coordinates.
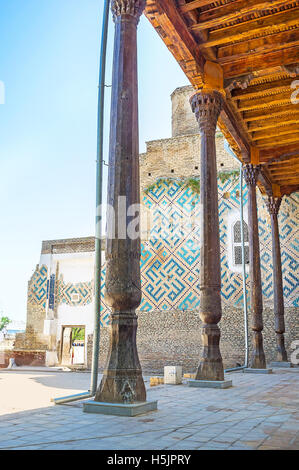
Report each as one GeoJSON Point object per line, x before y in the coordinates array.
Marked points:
{"type": "Point", "coordinates": [210, 383]}
{"type": "Point", "coordinates": [281, 364]}
{"type": "Point", "coordinates": [251, 370]}
{"type": "Point", "coordinates": [120, 409]}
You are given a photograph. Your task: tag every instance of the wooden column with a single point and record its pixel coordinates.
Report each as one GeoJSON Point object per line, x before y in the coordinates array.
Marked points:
{"type": "Point", "coordinates": [258, 360]}
{"type": "Point", "coordinates": [122, 380]}
{"type": "Point", "coordinates": [273, 204]}
{"type": "Point", "coordinates": [207, 107]}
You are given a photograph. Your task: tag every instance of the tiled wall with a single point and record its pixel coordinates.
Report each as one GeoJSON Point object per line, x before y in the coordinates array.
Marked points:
{"type": "Point", "coordinates": [170, 265]}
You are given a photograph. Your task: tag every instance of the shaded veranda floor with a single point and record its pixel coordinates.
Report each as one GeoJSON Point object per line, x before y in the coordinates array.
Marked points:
{"type": "Point", "coordinates": [258, 412]}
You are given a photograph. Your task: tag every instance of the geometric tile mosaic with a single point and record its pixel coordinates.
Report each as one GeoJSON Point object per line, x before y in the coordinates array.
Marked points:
{"type": "Point", "coordinates": [38, 287]}
{"type": "Point", "coordinates": [78, 294]}
{"type": "Point", "coordinates": [170, 264]}
{"type": "Point", "coordinates": [170, 258]}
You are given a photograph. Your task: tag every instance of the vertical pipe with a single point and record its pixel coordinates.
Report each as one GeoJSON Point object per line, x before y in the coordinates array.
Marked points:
{"type": "Point", "coordinates": [99, 185]}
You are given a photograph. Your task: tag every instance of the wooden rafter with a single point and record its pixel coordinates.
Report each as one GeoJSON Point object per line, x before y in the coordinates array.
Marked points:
{"type": "Point", "coordinates": [234, 11]}
{"type": "Point", "coordinates": [249, 29]}
{"type": "Point", "coordinates": [256, 46]}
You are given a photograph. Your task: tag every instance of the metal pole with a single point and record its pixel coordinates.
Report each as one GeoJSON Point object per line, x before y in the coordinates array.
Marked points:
{"type": "Point", "coordinates": [98, 234]}
{"type": "Point", "coordinates": [99, 186]}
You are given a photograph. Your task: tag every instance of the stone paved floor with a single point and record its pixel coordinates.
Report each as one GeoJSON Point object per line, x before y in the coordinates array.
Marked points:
{"type": "Point", "coordinates": [259, 412]}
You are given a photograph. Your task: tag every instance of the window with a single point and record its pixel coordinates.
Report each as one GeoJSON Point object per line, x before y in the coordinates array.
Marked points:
{"type": "Point", "coordinates": [237, 243]}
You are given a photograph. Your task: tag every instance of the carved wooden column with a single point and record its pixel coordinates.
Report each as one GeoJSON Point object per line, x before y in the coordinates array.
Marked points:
{"type": "Point", "coordinates": [207, 107]}
{"type": "Point", "coordinates": [258, 360]}
{"type": "Point", "coordinates": [122, 380]}
{"type": "Point", "coordinates": [273, 204]}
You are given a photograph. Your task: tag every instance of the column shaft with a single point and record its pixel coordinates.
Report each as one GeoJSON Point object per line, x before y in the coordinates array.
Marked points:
{"type": "Point", "coordinates": [273, 205]}
{"type": "Point", "coordinates": [258, 360]}
{"type": "Point", "coordinates": [207, 107]}
{"type": "Point", "coordinates": [122, 380]}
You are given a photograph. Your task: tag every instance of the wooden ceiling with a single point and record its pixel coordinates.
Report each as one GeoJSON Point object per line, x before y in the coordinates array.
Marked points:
{"type": "Point", "coordinates": [256, 44]}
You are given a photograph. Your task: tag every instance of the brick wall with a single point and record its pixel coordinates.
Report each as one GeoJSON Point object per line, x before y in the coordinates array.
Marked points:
{"type": "Point", "coordinates": [174, 338]}
{"type": "Point", "coordinates": [23, 358]}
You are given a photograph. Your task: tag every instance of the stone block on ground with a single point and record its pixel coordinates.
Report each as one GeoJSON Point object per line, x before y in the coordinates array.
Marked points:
{"type": "Point", "coordinates": [173, 375]}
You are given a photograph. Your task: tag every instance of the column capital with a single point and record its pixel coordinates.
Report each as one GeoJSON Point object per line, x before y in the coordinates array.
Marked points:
{"type": "Point", "coordinates": [250, 173]}
{"type": "Point", "coordinates": [207, 105]}
{"type": "Point", "coordinates": [273, 204]}
{"type": "Point", "coordinates": [132, 8]}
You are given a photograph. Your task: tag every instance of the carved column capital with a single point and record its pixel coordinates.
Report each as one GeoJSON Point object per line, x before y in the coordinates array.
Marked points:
{"type": "Point", "coordinates": [251, 173]}
{"type": "Point", "coordinates": [127, 7]}
{"type": "Point", "coordinates": [273, 204]}
{"type": "Point", "coordinates": [207, 106]}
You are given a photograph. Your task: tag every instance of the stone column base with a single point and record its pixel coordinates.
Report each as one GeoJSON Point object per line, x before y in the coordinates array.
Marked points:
{"type": "Point", "coordinates": [120, 409]}
{"type": "Point", "coordinates": [210, 383]}
{"type": "Point", "coordinates": [281, 364]}
{"type": "Point", "coordinates": [250, 370]}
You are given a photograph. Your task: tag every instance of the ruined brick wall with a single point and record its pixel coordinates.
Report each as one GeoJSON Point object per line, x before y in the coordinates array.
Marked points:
{"type": "Point", "coordinates": [183, 119]}
{"type": "Point", "coordinates": [69, 245]}
{"type": "Point", "coordinates": [179, 157]}
{"type": "Point", "coordinates": [23, 358]}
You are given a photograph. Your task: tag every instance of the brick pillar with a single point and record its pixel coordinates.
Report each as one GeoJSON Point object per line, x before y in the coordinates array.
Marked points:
{"type": "Point", "coordinates": [273, 205]}
{"type": "Point", "coordinates": [207, 107]}
{"type": "Point", "coordinates": [258, 360]}
{"type": "Point", "coordinates": [122, 380]}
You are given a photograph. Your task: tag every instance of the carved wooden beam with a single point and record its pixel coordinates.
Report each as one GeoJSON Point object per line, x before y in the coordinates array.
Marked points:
{"type": "Point", "coordinates": [195, 4]}
{"type": "Point", "coordinates": [228, 119]}
{"type": "Point", "coordinates": [259, 45]}
{"type": "Point", "coordinates": [171, 12]}
{"type": "Point", "coordinates": [279, 56]}
{"type": "Point", "coordinates": [234, 11]}
{"type": "Point", "coordinates": [273, 23]}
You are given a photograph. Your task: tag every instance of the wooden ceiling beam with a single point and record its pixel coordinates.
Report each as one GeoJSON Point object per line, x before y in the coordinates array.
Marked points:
{"type": "Point", "coordinates": [228, 119]}
{"type": "Point", "coordinates": [265, 179]}
{"type": "Point", "coordinates": [281, 140]}
{"type": "Point", "coordinates": [282, 130]}
{"type": "Point", "coordinates": [285, 55]}
{"type": "Point", "coordinates": [193, 5]}
{"type": "Point", "coordinates": [279, 153]}
{"type": "Point", "coordinates": [290, 180]}
{"type": "Point", "coordinates": [293, 171]}
{"type": "Point", "coordinates": [270, 124]}
{"type": "Point", "coordinates": [279, 99]}
{"type": "Point", "coordinates": [270, 24]}
{"type": "Point", "coordinates": [256, 115]}
{"type": "Point", "coordinates": [289, 189]}
{"type": "Point", "coordinates": [284, 160]}
{"type": "Point", "coordinates": [260, 44]}
{"type": "Point", "coordinates": [259, 90]}
{"type": "Point", "coordinates": [178, 38]}
{"type": "Point", "coordinates": [234, 11]}
{"type": "Point", "coordinates": [284, 165]}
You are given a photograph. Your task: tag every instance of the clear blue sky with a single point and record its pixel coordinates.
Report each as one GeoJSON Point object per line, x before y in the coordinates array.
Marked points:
{"type": "Point", "coordinates": [49, 61]}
